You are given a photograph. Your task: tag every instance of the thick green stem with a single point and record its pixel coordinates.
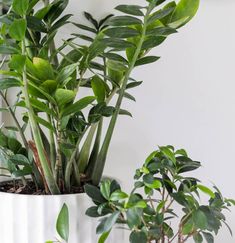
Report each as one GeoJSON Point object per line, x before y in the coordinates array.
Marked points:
{"type": "Point", "coordinates": [36, 134]}
{"type": "Point", "coordinates": [58, 165]}
{"type": "Point", "coordinates": [99, 166]}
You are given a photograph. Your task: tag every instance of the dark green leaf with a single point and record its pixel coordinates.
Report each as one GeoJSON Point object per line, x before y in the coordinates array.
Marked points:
{"type": "Point", "coordinates": [124, 21]}
{"type": "Point", "coordinates": [6, 83]}
{"type": "Point", "coordinates": [146, 60]}
{"type": "Point", "coordinates": [115, 57]}
{"type": "Point", "coordinates": [133, 84]}
{"type": "Point", "coordinates": [84, 27]}
{"type": "Point", "coordinates": [208, 237]}
{"type": "Point", "coordinates": [159, 15]}
{"type": "Point", "coordinates": [5, 49]}
{"type": "Point", "coordinates": [153, 41]}
{"type": "Point", "coordinates": [62, 224]}
{"type": "Point", "coordinates": [130, 9]}
{"type": "Point", "coordinates": [19, 159]}
{"type": "Point", "coordinates": [117, 43]}
{"type": "Point", "coordinates": [90, 18]}
{"type": "Point", "coordinates": [107, 223]}
{"type": "Point", "coordinates": [94, 193]}
{"type": "Point", "coordinates": [161, 31]}
{"type": "Point", "coordinates": [36, 24]}
{"type": "Point", "coordinates": [125, 112]}
{"type": "Point", "coordinates": [134, 217]}
{"type": "Point", "coordinates": [121, 32]}
{"type": "Point", "coordinates": [27, 170]}
{"type": "Point", "coordinates": [138, 237]}
{"type": "Point", "coordinates": [66, 72]}
{"type": "Point", "coordinates": [200, 219]}
{"type": "Point", "coordinates": [198, 238]}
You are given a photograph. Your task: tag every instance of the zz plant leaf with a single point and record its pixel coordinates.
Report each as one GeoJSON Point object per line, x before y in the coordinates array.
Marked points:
{"type": "Point", "coordinates": [62, 224]}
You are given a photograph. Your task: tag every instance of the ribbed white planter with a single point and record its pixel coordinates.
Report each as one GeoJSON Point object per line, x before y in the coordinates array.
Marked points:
{"type": "Point", "coordinates": [32, 219]}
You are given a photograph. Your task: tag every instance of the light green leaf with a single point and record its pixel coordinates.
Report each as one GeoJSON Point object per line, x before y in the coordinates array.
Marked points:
{"type": "Point", "coordinates": [185, 8]}
{"type": "Point", "coordinates": [64, 96]}
{"type": "Point", "coordinates": [206, 190]}
{"type": "Point", "coordinates": [17, 29]}
{"type": "Point", "coordinates": [66, 72]}
{"type": "Point", "coordinates": [62, 224]}
{"type": "Point", "coordinates": [118, 195]}
{"type": "Point", "coordinates": [20, 6]}
{"type": "Point", "coordinates": [42, 69]}
{"type": "Point", "coordinates": [78, 106]}
{"type": "Point", "coordinates": [17, 62]}
{"type": "Point", "coordinates": [105, 189]}
{"type": "Point", "coordinates": [99, 89]}
{"type": "Point", "coordinates": [104, 237]}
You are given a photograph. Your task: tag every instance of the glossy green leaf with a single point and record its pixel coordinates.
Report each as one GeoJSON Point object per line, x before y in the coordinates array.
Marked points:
{"type": "Point", "coordinates": [19, 159]}
{"type": "Point", "coordinates": [62, 224]}
{"type": "Point", "coordinates": [78, 106]}
{"type": "Point", "coordinates": [36, 24]}
{"type": "Point", "coordinates": [159, 15]}
{"type": "Point", "coordinates": [17, 29]}
{"type": "Point", "coordinates": [6, 49]}
{"type": "Point", "coordinates": [66, 72]}
{"type": "Point", "coordinates": [64, 96]}
{"type": "Point", "coordinates": [208, 237]}
{"type": "Point", "coordinates": [185, 8]}
{"type": "Point", "coordinates": [121, 32]}
{"type": "Point", "coordinates": [115, 57]}
{"type": "Point", "coordinates": [44, 123]}
{"type": "Point", "coordinates": [188, 227]}
{"type": "Point", "coordinates": [125, 112]}
{"type": "Point", "coordinates": [118, 195]}
{"type": "Point", "coordinates": [43, 69]}
{"type": "Point", "coordinates": [105, 189]}
{"type": "Point", "coordinates": [20, 6]}
{"type": "Point", "coordinates": [146, 60]}
{"type": "Point", "coordinates": [117, 43]}
{"type": "Point", "coordinates": [153, 41]}
{"type": "Point", "coordinates": [206, 190]}
{"type": "Point", "coordinates": [98, 88]}
{"type": "Point", "coordinates": [130, 9]}
{"type": "Point", "coordinates": [41, 106]}
{"type": "Point", "coordinates": [138, 237]}
{"type": "Point", "coordinates": [124, 21]}
{"type": "Point", "coordinates": [107, 223]}
{"type": "Point", "coordinates": [168, 153]}
{"type": "Point", "coordinates": [49, 86]}
{"type": "Point", "coordinates": [6, 83]}
{"type": "Point", "coordinates": [17, 62]}
{"type": "Point", "coordinates": [104, 237]}
{"type": "Point", "coordinates": [199, 219]}
{"type": "Point", "coordinates": [134, 216]}
{"type": "Point", "coordinates": [198, 238]}
{"type": "Point", "coordinates": [27, 170]}
{"type": "Point", "coordinates": [94, 193]}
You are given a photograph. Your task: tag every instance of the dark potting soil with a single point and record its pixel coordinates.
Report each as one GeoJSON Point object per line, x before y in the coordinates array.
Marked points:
{"type": "Point", "coordinates": [17, 187]}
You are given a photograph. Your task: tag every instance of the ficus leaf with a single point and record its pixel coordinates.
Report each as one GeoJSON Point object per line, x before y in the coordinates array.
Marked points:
{"type": "Point", "coordinates": [62, 224]}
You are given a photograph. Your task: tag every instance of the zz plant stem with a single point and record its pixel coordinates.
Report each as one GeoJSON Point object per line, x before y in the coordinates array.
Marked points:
{"type": "Point", "coordinates": [36, 133]}
{"type": "Point", "coordinates": [100, 163]}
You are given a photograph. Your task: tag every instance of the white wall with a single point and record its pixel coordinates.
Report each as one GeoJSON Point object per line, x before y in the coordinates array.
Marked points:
{"type": "Point", "coordinates": [187, 98]}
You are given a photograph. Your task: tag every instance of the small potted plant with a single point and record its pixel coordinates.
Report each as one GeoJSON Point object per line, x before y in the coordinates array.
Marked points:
{"type": "Point", "coordinates": [151, 211]}
{"type": "Point", "coordinates": [55, 146]}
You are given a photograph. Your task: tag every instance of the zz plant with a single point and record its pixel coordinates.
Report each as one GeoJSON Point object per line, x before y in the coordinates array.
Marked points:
{"type": "Point", "coordinates": [64, 149]}
{"type": "Point", "coordinates": [151, 211]}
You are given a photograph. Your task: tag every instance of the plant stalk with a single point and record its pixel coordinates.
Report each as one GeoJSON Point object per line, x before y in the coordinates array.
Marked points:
{"type": "Point", "coordinates": [36, 133]}
{"type": "Point", "coordinates": [99, 166]}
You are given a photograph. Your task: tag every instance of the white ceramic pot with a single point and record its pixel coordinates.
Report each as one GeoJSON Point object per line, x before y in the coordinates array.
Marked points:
{"type": "Point", "coordinates": [32, 219]}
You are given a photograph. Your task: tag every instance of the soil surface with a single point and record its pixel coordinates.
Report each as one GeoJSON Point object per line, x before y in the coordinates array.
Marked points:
{"type": "Point", "coordinates": [17, 187]}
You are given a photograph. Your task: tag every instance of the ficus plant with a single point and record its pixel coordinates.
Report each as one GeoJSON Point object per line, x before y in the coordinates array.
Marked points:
{"type": "Point", "coordinates": [152, 212]}
{"type": "Point", "coordinates": [57, 139]}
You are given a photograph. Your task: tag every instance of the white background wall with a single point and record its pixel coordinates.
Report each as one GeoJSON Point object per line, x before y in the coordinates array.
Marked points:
{"type": "Point", "coordinates": [187, 99]}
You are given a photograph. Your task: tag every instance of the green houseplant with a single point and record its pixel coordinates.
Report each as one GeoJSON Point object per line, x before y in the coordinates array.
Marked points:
{"type": "Point", "coordinates": [55, 145]}
{"type": "Point", "coordinates": [151, 211]}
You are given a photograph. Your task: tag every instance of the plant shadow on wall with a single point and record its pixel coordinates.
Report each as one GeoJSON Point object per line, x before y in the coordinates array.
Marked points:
{"type": "Point", "coordinates": [65, 149]}
{"type": "Point", "coordinates": [151, 210]}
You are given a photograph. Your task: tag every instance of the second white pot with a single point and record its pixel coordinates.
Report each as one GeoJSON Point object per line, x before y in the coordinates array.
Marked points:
{"type": "Point", "coordinates": [32, 219]}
